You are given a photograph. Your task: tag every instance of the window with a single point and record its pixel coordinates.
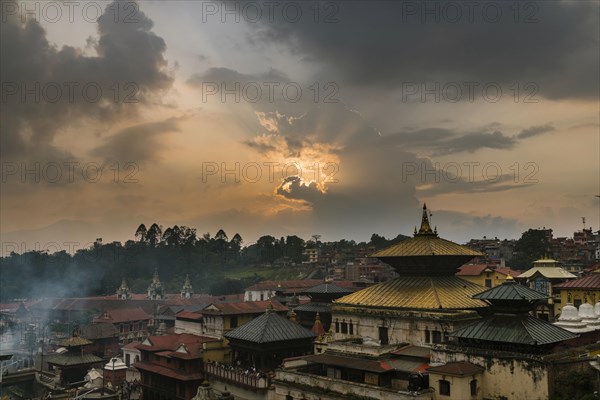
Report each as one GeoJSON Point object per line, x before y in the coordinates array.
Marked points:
{"type": "Point", "coordinates": [437, 337]}
{"type": "Point", "coordinates": [337, 327]}
{"type": "Point", "coordinates": [474, 387]}
{"type": "Point", "coordinates": [488, 283]}
{"type": "Point", "coordinates": [427, 336]}
{"type": "Point", "coordinates": [383, 335]}
{"type": "Point", "coordinates": [262, 297]}
{"type": "Point", "coordinates": [444, 388]}
{"type": "Point", "coordinates": [288, 397]}
{"type": "Point", "coordinates": [233, 321]}
{"type": "Point", "coordinates": [344, 327]}
{"type": "Point", "coordinates": [351, 328]}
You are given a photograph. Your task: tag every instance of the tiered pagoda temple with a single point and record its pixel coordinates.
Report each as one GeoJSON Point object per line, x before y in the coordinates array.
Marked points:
{"type": "Point", "coordinates": [424, 304]}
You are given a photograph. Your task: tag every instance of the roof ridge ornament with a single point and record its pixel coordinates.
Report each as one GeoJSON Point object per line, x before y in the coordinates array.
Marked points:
{"type": "Point", "coordinates": [425, 229]}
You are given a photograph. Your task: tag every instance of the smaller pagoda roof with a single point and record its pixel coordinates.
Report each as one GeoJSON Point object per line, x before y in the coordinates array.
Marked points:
{"type": "Point", "coordinates": [269, 328]}
{"type": "Point", "coordinates": [68, 359]}
{"type": "Point", "coordinates": [74, 341]}
{"type": "Point", "coordinates": [510, 290]}
{"type": "Point", "coordinates": [314, 307]}
{"type": "Point", "coordinates": [514, 329]}
{"type": "Point", "coordinates": [328, 288]}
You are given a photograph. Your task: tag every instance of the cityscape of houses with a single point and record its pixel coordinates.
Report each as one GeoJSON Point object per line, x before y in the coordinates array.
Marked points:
{"type": "Point", "coordinates": [423, 318]}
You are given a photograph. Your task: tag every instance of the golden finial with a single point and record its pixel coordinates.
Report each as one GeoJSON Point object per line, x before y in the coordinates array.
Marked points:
{"type": "Point", "coordinates": [425, 228]}
{"type": "Point", "coordinates": [293, 316]}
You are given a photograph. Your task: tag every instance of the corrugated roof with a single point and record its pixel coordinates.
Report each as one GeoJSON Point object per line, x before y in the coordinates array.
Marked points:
{"type": "Point", "coordinates": [418, 292]}
{"type": "Point", "coordinates": [123, 315]}
{"type": "Point", "coordinates": [514, 329]}
{"type": "Point", "coordinates": [243, 307]}
{"type": "Point", "coordinates": [164, 371]}
{"type": "Point", "coordinates": [269, 327]}
{"type": "Point", "coordinates": [413, 351]}
{"type": "Point", "coordinates": [74, 341]}
{"type": "Point", "coordinates": [426, 246]}
{"type": "Point", "coordinates": [510, 290]}
{"type": "Point", "coordinates": [587, 282]}
{"type": "Point", "coordinates": [459, 368]}
{"type": "Point", "coordinates": [547, 272]}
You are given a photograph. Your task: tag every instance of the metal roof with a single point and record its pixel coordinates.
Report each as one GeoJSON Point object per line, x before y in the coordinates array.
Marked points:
{"type": "Point", "coordinates": [547, 272]}
{"type": "Point", "coordinates": [269, 327]}
{"type": "Point", "coordinates": [350, 362]}
{"type": "Point", "coordinates": [515, 329]}
{"type": "Point", "coordinates": [510, 290]}
{"type": "Point", "coordinates": [69, 359]}
{"type": "Point", "coordinates": [587, 282]}
{"type": "Point", "coordinates": [418, 292]}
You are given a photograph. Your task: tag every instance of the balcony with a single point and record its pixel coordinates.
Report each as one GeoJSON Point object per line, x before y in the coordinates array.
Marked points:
{"type": "Point", "coordinates": [238, 376]}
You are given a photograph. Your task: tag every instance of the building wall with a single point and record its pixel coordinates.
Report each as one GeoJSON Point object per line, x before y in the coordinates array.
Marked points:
{"type": "Point", "coordinates": [460, 387]}
{"type": "Point", "coordinates": [576, 296]}
{"type": "Point", "coordinates": [495, 278]}
{"type": "Point", "coordinates": [258, 295]}
{"type": "Point", "coordinates": [410, 327]}
{"type": "Point", "coordinates": [515, 379]}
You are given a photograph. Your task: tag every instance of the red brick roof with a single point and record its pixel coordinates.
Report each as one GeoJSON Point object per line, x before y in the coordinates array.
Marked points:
{"type": "Point", "coordinates": [168, 344]}
{"type": "Point", "coordinates": [164, 371]}
{"type": "Point", "coordinates": [587, 282]}
{"type": "Point", "coordinates": [244, 307]}
{"type": "Point", "coordinates": [188, 315]}
{"type": "Point", "coordinates": [461, 368]}
{"type": "Point", "coordinates": [122, 315]}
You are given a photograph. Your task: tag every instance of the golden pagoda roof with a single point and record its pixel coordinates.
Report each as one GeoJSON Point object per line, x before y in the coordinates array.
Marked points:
{"type": "Point", "coordinates": [426, 243]}
{"type": "Point", "coordinates": [418, 292]}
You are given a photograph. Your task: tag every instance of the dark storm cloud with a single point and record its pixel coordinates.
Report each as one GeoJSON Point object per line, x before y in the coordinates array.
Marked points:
{"type": "Point", "coordinates": [535, 130]}
{"type": "Point", "coordinates": [137, 144]}
{"type": "Point", "coordinates": [128, 70]}
{"type": "Point", "coordinates": [382, 44]}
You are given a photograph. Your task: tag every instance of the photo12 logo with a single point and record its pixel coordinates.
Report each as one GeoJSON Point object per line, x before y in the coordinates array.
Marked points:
{"type": "Point", "coordinates": [254, 172]}
{"type": "Point", "coordinates": [291, 12]}
{"type": "Point", "coordinates": [52, 12]}
{"type": "Point", "coordinates": [469, 171]}
{"type": "Point", "coordinates": [69, 172]}
{"type": "Point", "coordinates": [454, 92]}
{"type": "Point", "coordinates": [255, 92]}
{"type": "Point", "coordinates": [71, 92]}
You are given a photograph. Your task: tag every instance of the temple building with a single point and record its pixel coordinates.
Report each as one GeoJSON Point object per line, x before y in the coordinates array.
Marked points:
{"type": "Point", "coordinates": [155, 290]}
{"type": "Point", "coordinates": [72, 365]}
{"type": "Point", "coordinates": [501, 355]}
{"type": "Point", "coordinates": [266, 340]}
{"type": "Point", "coordinates": [543, 276]}
{"type": "Point", "coordinates": [123, 291]}
{"type": "Point", "coordinates": [423, 305]}
{"type": "Point", "coordinates": [187, 291]}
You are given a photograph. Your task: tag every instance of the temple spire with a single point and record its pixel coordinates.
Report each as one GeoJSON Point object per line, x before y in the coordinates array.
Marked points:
{"type": "Point", "coordinates": [425, 228]}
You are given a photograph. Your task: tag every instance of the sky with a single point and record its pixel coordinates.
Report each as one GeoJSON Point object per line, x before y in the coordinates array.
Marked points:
{"type": "Point", "coordinates": [297, 118]}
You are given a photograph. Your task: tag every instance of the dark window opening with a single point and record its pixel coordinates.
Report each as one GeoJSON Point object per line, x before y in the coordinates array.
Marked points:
{"type": "Point", "coordinates": [351, 328]}
{"type": "Point", "coordinates": [233, 323]}
{"type": "Point", "coordinates": [383, 335]}
{"type": "Point", "coordinates": [474, 387]}
{"type": "Point", "coordinates": [445, 388]}
{"type": "Point", "coordinates": [344, 327]}
{"type": "Point", "coordinates": [437, 337]}
{"type": "Point", "coordinates": [427, 336]}
{"type": "Point", "coordinates": [337, 327]}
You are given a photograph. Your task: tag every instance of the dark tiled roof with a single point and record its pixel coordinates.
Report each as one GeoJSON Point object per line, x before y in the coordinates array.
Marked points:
{"type": "Point", "coordinates": [74, 341]}
{"type": "Point", "coordinates": [413, 351]}
{"type": "Point", "coordinates": [510, 290]}
{"type": "Point", "coordinates": [514, 329]}
{"type": "Point", "coordinates": [69, 359]}
{"type": "Point", "coordinates": [269, 327]}
{"type": "Point", "coordinates": [123, 315]}
{"type": "Point", "coordinates": [461, 368]}
{"type": "Point", "coordinates": [327, 288]}
{"type": "Point", "coordinates": [314, 307]}
{"type": "Point", "coordinates": [171, 373]}
{"type": "Point", "coordinates": [587, 282]}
